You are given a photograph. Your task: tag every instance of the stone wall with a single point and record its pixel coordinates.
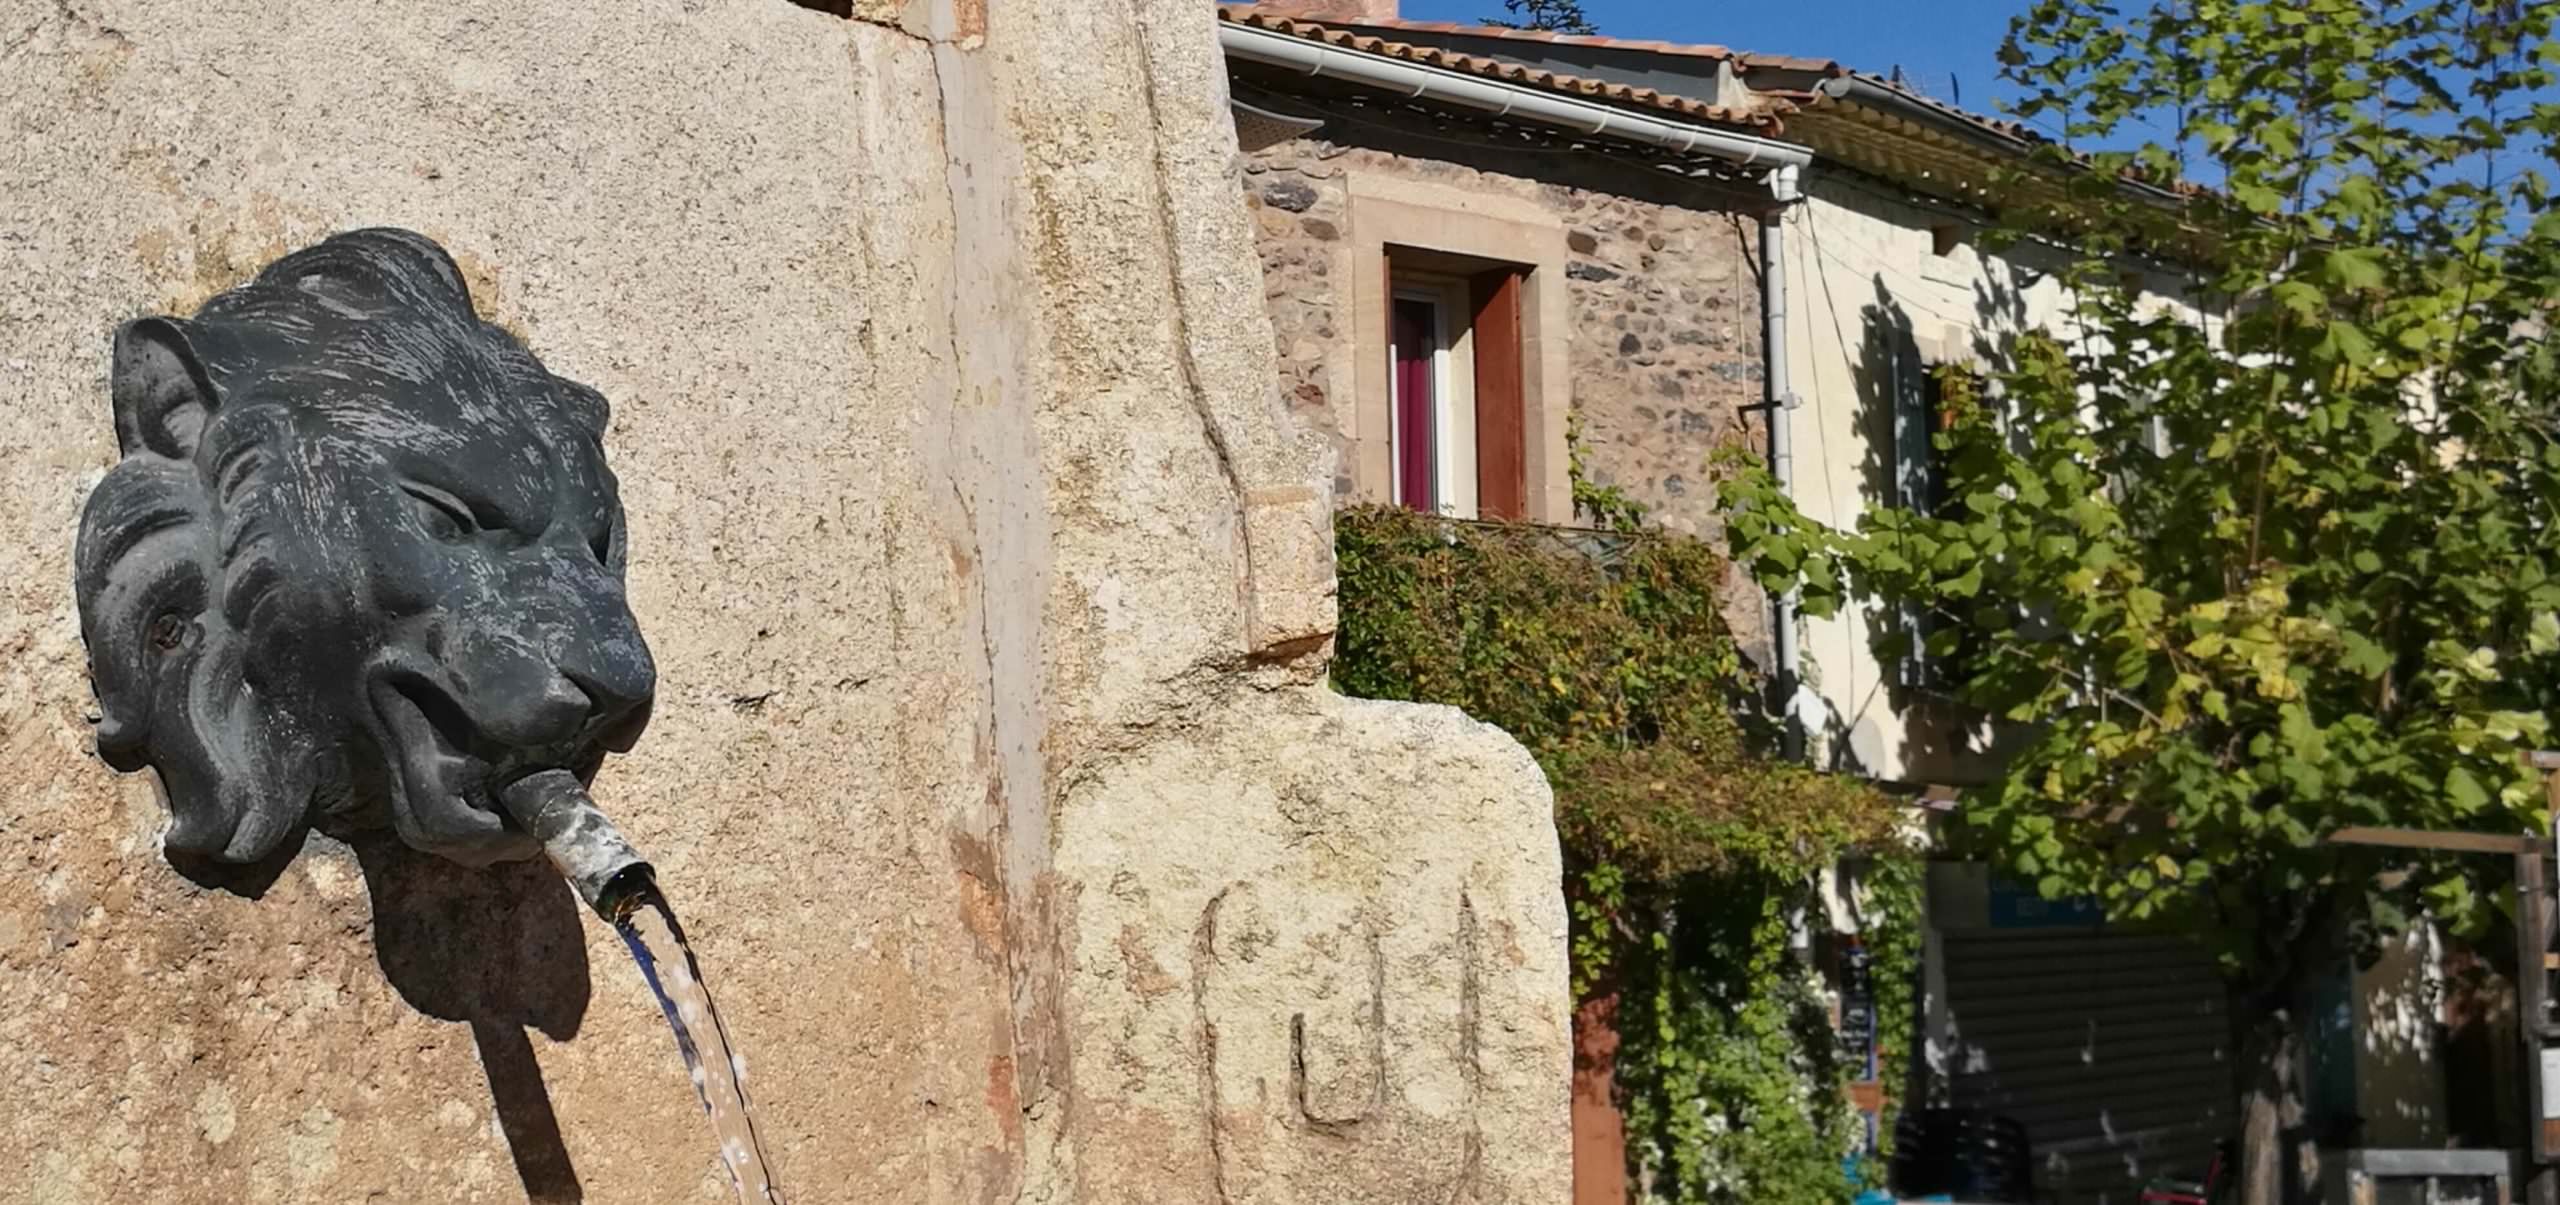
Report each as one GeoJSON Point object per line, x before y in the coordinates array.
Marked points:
{"type": "Point", "coordinates": [1665, 306]}
{"type": "Point", "coordinates": [1300, 207]}
{"type": "Point", "coordinates": [1663, 292]}
{"type": "Point", "coordinates": [1666, 348]}
{"type": "Point", "coordinates": [990, 593]}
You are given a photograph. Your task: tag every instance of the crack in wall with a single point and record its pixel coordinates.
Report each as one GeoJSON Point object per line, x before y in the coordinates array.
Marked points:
{"type": "Point", "coordinates": [1470, 1185]}
{"type": "Point", "coordinates": [1204, 954]}
{"type": "Point", "coordinates": [1189, 364]}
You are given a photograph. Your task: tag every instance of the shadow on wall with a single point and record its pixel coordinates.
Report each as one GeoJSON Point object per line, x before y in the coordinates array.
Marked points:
{"type": "Point", "coordinates": [248, 880]}
{"type": "Point", "coordinates": [1894, 420]}
{"type": "Point", "coordinates": [2483, 1069]}
{"type": "Point", "coordinates": [1892, 372]}
{"type": "Point", "coordinates": [1964, 304]}
{"type": "Point", "coordinates": [501, 950]}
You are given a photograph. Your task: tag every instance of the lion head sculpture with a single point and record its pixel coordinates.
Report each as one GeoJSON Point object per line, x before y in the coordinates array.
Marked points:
{"type": "Point", "coordinates": [362, 555]}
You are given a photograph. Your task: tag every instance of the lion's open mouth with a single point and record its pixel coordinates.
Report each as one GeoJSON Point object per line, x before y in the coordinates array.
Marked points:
{"type": "Point", "coordinates": [448, 776]}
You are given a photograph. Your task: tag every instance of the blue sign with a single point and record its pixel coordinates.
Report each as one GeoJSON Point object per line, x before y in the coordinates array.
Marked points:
{"type": "Point", "coordinates": [2013, 906]}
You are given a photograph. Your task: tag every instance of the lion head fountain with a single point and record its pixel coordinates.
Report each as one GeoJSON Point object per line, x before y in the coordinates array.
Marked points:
{"type": "Point", "coordinates": [361, 562]}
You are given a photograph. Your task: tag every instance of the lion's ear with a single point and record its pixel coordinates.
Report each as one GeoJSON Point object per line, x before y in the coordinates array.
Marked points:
{"type": "Point", "coordinates": [163, 397]}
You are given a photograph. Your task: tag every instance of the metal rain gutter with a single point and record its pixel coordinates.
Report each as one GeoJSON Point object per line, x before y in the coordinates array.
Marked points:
{"type": "Point", "coordinates": [1423, 82]}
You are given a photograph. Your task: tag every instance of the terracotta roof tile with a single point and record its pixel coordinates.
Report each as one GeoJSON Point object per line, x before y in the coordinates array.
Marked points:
{"type": "Point", "coordinates": [1743, 60]}
{"type": "Point", "coordinates": [1697, 50]}
{"type": "Point", "coordinates": [1490, 68]}
{"type": "Point", "coordinates": [1817, 107]}
{"type": "Point", "coordinates": [1647, 45]}
{"type": "Point", "coordinates": [2001, 126]}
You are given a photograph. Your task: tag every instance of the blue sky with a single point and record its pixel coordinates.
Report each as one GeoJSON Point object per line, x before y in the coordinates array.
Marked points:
{"type": "Point", "coordinates": [1929, 38]}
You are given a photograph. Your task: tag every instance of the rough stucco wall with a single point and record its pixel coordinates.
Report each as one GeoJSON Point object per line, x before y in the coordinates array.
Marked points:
{"type": "Point", "coordinates": [989, 590]}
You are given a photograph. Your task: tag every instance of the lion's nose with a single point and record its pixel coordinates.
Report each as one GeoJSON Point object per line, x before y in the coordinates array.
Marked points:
{"type": "Point", "coordinates": [617, 703]}
{"type": "Point", "coordinates": [558, 714]}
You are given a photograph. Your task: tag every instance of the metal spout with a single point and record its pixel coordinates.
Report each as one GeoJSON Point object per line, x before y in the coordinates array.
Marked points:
{"type": "Point", "coordinates": [586, 848]}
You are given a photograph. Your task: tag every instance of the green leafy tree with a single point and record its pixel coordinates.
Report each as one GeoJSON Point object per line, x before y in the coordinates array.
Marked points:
{"type": "Point", "coordinates": [2230, 575]}
{"type": "Point", "coordinates": [1552, 16]}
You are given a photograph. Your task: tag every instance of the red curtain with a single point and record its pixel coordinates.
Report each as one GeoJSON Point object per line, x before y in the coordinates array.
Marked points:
{"type": "Point", "coordinates": [1417, 336]}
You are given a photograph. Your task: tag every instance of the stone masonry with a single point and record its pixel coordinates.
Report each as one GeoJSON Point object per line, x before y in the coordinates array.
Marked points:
{"type": "Point", "coordinates": [1664, 297]}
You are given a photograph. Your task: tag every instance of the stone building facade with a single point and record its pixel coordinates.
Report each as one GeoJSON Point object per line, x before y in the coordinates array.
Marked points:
{"type": "Point", "coordinates": [1885, 279]}
{"type": "Point", "coordinates": [1642, 339]}
{"type": "Point", "coordinates": [1660, 293]}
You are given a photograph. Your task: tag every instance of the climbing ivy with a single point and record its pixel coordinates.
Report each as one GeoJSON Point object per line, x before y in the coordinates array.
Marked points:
{"type": "Point", "coordinates": [1602, 505]}
{"type": "Point", "coordinates": [1690, 855]}
{"type": "Point", "coordinates": [1896, 886]}
{"type": "Point", "coordinates": [1734, 1086]}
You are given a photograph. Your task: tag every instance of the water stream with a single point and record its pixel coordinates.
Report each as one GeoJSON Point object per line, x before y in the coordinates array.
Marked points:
{"type": "Point", "coordinates": [657, 943]}
{"type": "Point", "coordinates": [552, 805]}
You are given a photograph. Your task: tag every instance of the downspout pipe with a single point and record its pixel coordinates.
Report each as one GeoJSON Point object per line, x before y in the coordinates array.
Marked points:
{"type": "Point", "coordinates": [1424, 82]}
{"type": "Point", "coordinates": [1778, 402]}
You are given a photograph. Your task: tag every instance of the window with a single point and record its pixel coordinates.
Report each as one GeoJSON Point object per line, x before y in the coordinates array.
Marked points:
{"type": "Point", "coordinates": [1490, 269]}
{"type": "Point", "coordinates": [1456, 423]}
{"type": "Point", "coordinates": [1921, 411]}
{"type": "Point", "coordinates": [1432, 404]}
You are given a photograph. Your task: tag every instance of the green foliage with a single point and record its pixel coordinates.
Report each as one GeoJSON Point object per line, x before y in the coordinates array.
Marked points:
{"type": "Point", "coordinates": [1896, 888]}
{"type": "Point", "coordinates": [1607, 655]}
{"type": "Point", "coordinates": [1715, 1010]}
{"type": "Point", "coordinates": [1605, 506]}
{"type": "Point", "coordinates": [2233, 576]}
{"type": "Point", "coordinates": [1552, 16]}
{"type": "Point", "coordinates": [1718, 1014]}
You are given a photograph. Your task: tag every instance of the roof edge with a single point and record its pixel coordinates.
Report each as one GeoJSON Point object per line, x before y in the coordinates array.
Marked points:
{"type": "Point", "coordinates": [1761, 122]}
{"type": "Point", "coordinates": [1974, 129]}
{"type": "Point", "coordinates": [1699, 50]}
{"type": "Point", "coordinates": [1505, 94]}
{"type": "Point", "coordinates": [2008, 139]}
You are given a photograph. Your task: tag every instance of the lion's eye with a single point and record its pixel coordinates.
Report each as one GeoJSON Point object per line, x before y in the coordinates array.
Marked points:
{"type": "Point", "coordinates": [601, 544]}
{"type": "Point", "coordinates": [443, 518]}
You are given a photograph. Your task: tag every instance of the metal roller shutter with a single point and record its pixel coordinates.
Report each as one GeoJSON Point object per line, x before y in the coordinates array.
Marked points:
{"type": "Point", "coordinates": [2111, 1049]}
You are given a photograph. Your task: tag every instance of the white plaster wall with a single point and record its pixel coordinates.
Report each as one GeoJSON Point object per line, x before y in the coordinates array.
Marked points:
{"type": "Point", "coordinates": [1857, 256]}
{"type": "Point", "coordinates": [2399, 1066]}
